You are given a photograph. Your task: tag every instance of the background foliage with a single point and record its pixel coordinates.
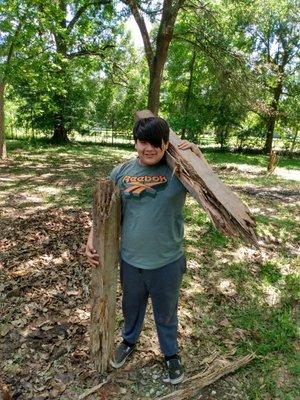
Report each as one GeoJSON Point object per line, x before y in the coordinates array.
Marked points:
{"type": "Point", "coordinates": [232, 73]}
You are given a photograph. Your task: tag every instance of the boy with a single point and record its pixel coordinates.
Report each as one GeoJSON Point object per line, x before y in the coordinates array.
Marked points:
{"type": "Point", "coordinates": [151, 261]}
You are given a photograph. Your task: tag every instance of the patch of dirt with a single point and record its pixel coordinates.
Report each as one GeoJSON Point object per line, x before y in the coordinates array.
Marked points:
{"type": "Point", "coordinates": [286, 195]}
{"type": "Point", "coordinates": [284, 173]}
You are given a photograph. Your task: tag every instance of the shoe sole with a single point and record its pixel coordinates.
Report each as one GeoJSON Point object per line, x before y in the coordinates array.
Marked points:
{"type": "Point", "coordinates": [174, 381]}
{"type": "Point", "coordinates": [120, 364]}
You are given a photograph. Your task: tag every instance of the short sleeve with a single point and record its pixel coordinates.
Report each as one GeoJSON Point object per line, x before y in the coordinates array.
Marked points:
{"type": "Point", "coordinates": [114, 173]}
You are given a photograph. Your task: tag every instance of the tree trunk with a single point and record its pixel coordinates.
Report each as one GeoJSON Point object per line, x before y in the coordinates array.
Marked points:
{"type": "Point", "coordinates": [60, 132]}
{"type": "Point", "coordinates": [156, 73]}
{"type": "Point", "coordinates": [2, 122]}
{"type": "Point", "coordinates": [60, 135]}
{"type": "Point", "coordinates": [106, 230]}
{"type": "Point", "coordinates": [270, 134]}
{"type": "Point", "coordinates": [271, 121]}
{"type": "Point", "coordinates": [273, 159]}
{"type": "Point", "coordinates": [221, 136]}
{"type": "Point", "coordinates": [156, 60]}
{"type": "Point", "coordinates": [294, 139]}
{"type": "Point", "coordinates": [164, 38]}
{"type": "Point", "coordinates": [188, 95]}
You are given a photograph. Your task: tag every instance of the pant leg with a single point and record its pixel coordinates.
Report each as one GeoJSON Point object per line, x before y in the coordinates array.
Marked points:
{"type": "Point", "coordinates": [134, 301]}
{"type": "Point", "coordinates": [164, 285]}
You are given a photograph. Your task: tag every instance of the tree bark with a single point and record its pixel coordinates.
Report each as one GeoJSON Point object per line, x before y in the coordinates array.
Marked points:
{"type": "Point", "coordinates": [294, 139]}
{"type": "Point", "coordinates": [2, 122]}
{"type": "Point", "coordinates": [277, 92]}
{"type": "Point", "coordinates": [60, 133]}
{"type": "Point", "coordinates": [188, 96]}
{"type": "Point", "coordinates": [106, 230]}
{"type": "Point", "coordinates": [3, 82]}
{"type": "Point", "coordinates": [156, 59]}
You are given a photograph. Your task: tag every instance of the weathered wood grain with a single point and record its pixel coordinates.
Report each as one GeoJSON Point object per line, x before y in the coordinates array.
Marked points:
{"type": "Point", "coordinates": [106, 230]}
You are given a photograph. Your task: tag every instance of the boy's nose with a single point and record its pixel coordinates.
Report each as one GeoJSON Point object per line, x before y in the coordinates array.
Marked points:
{"type": "Point", "coordinates": [149, 146]}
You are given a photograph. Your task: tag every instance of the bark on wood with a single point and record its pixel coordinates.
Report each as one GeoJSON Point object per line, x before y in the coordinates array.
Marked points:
{"type": "Point", "coordinates": [225, 209]}
{"type": "Point", "coordinates": [106, 229]}
{"type": "Point", "coordinates": [207, 377]}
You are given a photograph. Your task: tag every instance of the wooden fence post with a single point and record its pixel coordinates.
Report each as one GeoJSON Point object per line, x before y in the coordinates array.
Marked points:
{"type": "Point", "coordinates": [106, 230]}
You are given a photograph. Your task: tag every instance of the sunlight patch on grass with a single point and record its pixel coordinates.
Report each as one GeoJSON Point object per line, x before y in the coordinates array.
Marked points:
{"type": "Point", "coordinates": [272, 294]}
{"type": "Point", "coordinates": [49, 190]}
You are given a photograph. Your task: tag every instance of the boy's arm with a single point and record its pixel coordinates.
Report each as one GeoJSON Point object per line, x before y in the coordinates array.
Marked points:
{"type": "Point", "coordinates": [90, 252]}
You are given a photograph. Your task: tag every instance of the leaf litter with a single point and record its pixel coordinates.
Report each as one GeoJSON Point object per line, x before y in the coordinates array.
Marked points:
{"type": "Point", "coordinates": [44, 300]}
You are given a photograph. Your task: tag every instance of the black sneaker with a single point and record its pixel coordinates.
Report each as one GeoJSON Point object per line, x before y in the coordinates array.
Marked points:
{"type": "Point", "coordinates": [175, 371]}
{"type": "Point", "coordinates": [120, 355]}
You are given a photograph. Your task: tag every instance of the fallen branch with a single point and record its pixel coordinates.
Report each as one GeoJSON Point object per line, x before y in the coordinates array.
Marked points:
{"type": "Point", "coordinates": [225, 209]}
{"type": "Point", "coordinates": [207, 377]}
{"type": "Point", "coordinates": [92, 390]}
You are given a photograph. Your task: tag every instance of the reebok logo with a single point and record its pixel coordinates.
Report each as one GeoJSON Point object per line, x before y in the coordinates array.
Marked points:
{"type": "Point", "coordinates": [137, 184]}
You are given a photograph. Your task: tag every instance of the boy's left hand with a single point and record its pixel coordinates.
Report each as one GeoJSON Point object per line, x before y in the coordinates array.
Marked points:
{"type": "Point", "coordinates": [185, 145]}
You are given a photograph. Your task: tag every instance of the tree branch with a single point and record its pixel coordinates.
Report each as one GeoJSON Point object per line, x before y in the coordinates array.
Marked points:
{"type": "Point", "coordinates": [90, 52]}
{"type": "Point", "coordinates": [139, 19]}
{"type": "Point", "coordinates": [12, 46]}
{"type": "Point", "coordinates": [82, 9]}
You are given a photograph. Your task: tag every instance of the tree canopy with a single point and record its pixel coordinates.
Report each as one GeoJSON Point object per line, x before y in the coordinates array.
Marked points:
{"type": "Point", "coordinates": [226, 69]}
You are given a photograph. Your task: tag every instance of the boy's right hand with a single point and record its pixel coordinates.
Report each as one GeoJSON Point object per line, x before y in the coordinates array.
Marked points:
{"type": "Point", "coordinates": [92, 255]}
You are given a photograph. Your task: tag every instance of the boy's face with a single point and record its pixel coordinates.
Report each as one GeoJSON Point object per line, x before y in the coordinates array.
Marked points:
{"type": "Point", "coordinates": [148, 154]}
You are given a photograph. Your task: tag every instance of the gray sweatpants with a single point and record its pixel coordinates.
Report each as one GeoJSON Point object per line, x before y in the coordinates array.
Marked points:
{"type": "Point", "coordinates": [162, 285]}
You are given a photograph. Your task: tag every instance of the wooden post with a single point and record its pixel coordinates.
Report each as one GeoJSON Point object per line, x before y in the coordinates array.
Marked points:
{"type": "Point", "coordinates": [273, 160]}
{"type": "Point", "coordinates": [106, 230]}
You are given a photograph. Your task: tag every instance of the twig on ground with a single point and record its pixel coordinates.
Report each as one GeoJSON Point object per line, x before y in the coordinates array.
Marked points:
{"type": "Point", "coordinates": [93, 389]}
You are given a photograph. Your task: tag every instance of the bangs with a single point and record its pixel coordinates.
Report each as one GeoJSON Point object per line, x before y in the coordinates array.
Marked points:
{"type": "Point", "coordinates": [154, 130]}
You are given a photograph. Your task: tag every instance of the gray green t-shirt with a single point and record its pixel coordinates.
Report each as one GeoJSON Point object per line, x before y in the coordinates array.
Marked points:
{"type": "Point", "coordinates": [152, 220]}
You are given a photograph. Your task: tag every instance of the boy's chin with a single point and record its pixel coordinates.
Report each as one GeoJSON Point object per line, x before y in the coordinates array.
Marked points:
{"type": "Point", "coordinates": [150, 161]}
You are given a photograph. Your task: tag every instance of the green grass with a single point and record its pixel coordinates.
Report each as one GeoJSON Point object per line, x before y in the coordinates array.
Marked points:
{"type": "Point", "coordinates": [259, 160]}
{"type": "Point", "coordinates": [257, 313]}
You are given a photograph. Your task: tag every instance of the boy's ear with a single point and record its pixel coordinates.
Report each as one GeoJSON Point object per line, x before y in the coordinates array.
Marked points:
{"type": "Point", "coordinates": [166, 145]}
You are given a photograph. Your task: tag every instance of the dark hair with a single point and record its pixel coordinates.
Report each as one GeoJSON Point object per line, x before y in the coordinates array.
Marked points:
{"type": "Point", "coordinates": [154, 130]}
